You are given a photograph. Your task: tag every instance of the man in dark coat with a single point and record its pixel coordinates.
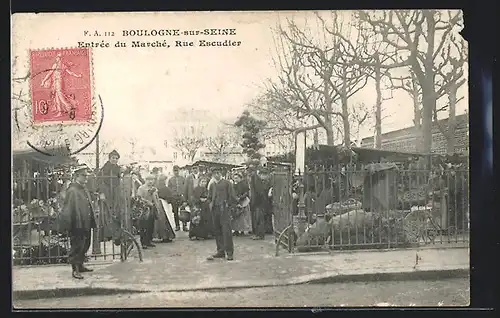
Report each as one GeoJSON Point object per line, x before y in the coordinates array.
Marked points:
{"type": "Point", "coordinates": [176, 184]}
{"type": "Point", "coordinates": [258, 198]}
{"type": "Point", "coordinates": [78, 219]}
{"type": "Point", "coordinates": [191, 183]}
{"type": "Point", "coordinates": [267, 204]}
{"type": "Point", "coordinates": [222, 197]}
{"type": "Point", "coordinates": [110, 193]}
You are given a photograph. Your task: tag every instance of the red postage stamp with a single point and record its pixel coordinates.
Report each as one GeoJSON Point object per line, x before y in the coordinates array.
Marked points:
{"type": "Point", "coordinates": [61, 85]}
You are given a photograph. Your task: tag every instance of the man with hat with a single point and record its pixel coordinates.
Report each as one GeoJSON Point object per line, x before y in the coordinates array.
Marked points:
{"type": "Point", "coordinates": [176, 184]}
{"type": "Point", "coordinates": [77, 217]}
{"type": "Point", "coordinates": [222, 197]}
{"type": "Point", "coordinates": [258, 198]}
{"type": "Point", "coordinates": [191, 183]}
{"type": "Point", "coordinates": [267, 204]}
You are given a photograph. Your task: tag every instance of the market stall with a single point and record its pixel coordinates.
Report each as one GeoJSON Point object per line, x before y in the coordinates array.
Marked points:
{"type": "Point", "coordinates": [37, 180]}
{"type": "Point", "coordinates": [356, 202]}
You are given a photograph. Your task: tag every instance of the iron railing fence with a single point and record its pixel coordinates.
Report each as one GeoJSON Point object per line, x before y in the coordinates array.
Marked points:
{"type": "Point", "coordinates": [36, 203]}
{"type": "Point", "coordinates": [386, 208]}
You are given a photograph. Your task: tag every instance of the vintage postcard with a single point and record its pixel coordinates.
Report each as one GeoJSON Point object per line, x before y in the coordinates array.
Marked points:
{"type": "Point", "coordinates": [240, 159]}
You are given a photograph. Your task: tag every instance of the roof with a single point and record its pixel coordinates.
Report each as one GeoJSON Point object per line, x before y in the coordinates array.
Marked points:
{"type": "Point", "coordinates": [52, 156]}
{"type": "Point", "coordinates": [461, 119]}
{"type": "Point", "coordinates": [211, 163]}
{"type": "Point", "coordinates": [370, 154]}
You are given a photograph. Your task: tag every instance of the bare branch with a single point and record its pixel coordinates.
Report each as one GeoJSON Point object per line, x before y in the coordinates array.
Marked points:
{"type": "Point", "coordinates": [189, 140]}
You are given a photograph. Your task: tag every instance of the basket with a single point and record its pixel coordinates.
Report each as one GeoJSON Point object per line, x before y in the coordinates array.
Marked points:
{"type": "Point", "coordinates": [184, 215]}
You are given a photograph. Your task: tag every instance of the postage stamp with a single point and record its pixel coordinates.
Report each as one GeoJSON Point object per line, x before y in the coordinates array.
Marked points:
{"type": "Point", "coordinates": [61, 85]}
{"type": "Point", "coordinates": [63, 112]}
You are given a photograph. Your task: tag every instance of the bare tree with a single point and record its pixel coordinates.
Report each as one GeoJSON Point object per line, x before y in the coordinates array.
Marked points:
{"type": "Point", "coordinates": [411, 86]}
{"type": "Point", "coordinates": [379, 73]}
{"type": "Point", "coordinates": [359, 116]}
{"type": "Point", "coordinates": [281, 120]}
{"type": "Point", "coordinates": [225, 140]}
{"type": "Point", "coordinates": [418, 37]}
{"type": "Point", "coordinates": [316, 75]}
{"type": "Point", "coordinates": [136, 150]}
{"type": "Point", "coordinates": [451, 77]}
{"type": "Point", "coordinates": [189, 139]}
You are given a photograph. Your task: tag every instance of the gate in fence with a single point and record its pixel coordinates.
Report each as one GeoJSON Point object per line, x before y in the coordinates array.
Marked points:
{"type": "Point", "coordinates": [37, 239]}
{"type": "Point", "coordinates": [282, 204]}
{"type": "Point", "coordinates": [379, 206]}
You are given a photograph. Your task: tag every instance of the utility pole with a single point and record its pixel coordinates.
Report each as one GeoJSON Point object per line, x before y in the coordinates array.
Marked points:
{"type": "Point", "coordinates": [96, 245]}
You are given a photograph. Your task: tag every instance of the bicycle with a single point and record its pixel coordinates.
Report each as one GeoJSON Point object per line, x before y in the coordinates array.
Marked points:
{"type": "Point", "coordinates": [124, 238]}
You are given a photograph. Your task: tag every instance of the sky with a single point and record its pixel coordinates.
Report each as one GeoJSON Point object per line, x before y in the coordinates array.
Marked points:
{"type": "Point", "coordinates": [142, 88]}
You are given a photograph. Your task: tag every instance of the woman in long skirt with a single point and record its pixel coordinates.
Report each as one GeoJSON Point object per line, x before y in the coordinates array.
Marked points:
{"type": "Point", "coordinates": [242, 218]}
{"type": "Point", "coordinates": [201, 218]}
{"type": "Point", "coordinates": [162, 228]}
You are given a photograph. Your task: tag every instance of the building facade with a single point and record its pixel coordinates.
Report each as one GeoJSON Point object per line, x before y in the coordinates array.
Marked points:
{"type": "Point", "coordinates": [405, 139]}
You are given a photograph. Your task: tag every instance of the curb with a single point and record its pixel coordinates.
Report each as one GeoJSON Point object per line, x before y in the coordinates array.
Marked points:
{"type": "Point", "coordinates": [69, 292]}
{"type": "Point", "coordinates": [324, 278]}
{"type": "Point", "coordinates": [395, 276]}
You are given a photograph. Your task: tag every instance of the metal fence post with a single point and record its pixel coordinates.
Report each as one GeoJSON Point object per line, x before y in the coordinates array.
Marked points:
{"type": "Point", "coordinates": [301, 219]}
{"type": "Point", "coordinates": [96, 244]}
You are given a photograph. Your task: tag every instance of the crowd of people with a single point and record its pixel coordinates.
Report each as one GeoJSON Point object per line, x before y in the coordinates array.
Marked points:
{"type": "Point", "coordinates": [211, 204]}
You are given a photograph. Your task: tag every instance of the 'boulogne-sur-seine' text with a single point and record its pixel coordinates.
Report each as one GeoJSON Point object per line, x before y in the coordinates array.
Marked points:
{"type": "Point", "coordinates": [162, 32]}
{"type": "Point", "coordinates": [219, 38]}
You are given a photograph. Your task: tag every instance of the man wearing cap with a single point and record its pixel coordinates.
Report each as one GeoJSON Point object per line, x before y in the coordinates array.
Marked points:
{"type": "Point", "coordinates": [77, 217]}
{"type": "Point", "coordinates": [176, 185]}
{"type": "Point", "coordinates": [109, 192]}
{"type": "Point", "coordinates": [156, 173]}
{"type": "Point", "coordinates": [267, 204]}
{"type": "Point", "coordinates": [222, 197]}
{"type": "Point", "coordinates": [258, 197]}
{"type": "Point", "coordinates": [191, 183]}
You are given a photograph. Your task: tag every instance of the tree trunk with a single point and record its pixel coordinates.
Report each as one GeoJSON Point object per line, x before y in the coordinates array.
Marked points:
{"type": "Point", "coordinates": [429, 103]}
{"type": "Point", "coordinates": [316, 139]}
{"type": "Point", "coordinates": [345, 121]}
{"type": "Point", "coordinates": [192, 155]}
{"type": "Point", "coordinates": [329, 107]}
{"type": "Point", "coordinates": [378, 109]}
{"type": "Point", "coordinates": [329, 136]}
{"type": "Point", "coordinates": [329, 131]}
{"type": "Point", "coordinates": [417, 115]}
{"type": "Point", "coordinates": [452, 121]}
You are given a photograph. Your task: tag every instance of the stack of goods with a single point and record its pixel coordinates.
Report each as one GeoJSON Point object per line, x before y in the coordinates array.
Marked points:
{"type": "Point", "coordinates": [140, 209]}
{"type": "Point", "coordinates": [338, 208]}
{"type": "Point", "coordinates": [196, 217]}
{"type": "Point", "coordinates": [413, 197]}
{"type": "Point", "coordinates": [315, 236]}
{"type": "Point", "coordinates": [367, 228]}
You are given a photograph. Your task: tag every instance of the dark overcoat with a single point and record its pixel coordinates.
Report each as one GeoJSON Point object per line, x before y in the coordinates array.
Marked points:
{"type": "Point", "coordinates": [77, 213]}
{"type": "Point", "coordinates": [109, 183]}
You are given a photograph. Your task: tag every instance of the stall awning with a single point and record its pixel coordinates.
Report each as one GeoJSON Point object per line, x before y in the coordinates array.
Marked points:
{"type": "Point", "coordinates": [62, 156]}
{"type": "Point", "coordinates": [212, 164]}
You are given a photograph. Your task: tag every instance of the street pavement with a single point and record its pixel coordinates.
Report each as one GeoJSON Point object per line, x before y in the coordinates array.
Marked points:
{"type": "Point", "coordinates": [182, 266]}
{"type": "Point", "coordinates": [450, 292]}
